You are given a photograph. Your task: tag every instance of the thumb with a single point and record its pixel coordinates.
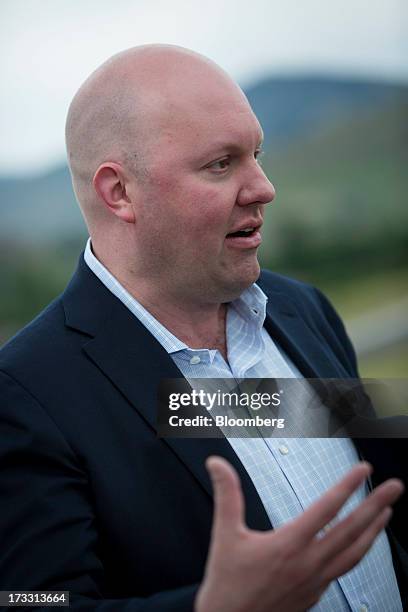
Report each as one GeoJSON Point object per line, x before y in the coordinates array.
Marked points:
{"type": "Point", "coordinates": [228, 500]}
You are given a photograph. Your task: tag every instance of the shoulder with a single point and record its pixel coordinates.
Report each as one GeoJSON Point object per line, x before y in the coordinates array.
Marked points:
{"type": "Point", "coordinates": [48, 340]}
{"type": "Point", "coordinates": [274, 282]}
{"type": "Point", "coordinates": [314, 308]}
{"type": "Point", "coordinates": [35, 335]}
{"type": "Point", "coordinates": [39, 351]}
{"type": "Point", "coordinates": [307, 298]}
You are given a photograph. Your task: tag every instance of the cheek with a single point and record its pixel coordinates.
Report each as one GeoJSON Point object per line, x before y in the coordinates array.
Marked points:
{"type": "Point", "coordinates": [196, 208]}
{"type": "Point", "coordinates": [207, 209]}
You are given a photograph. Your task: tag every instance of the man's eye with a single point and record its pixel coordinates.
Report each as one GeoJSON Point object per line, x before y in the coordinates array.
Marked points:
{"type": "Point", "coordinates": [221, 164]}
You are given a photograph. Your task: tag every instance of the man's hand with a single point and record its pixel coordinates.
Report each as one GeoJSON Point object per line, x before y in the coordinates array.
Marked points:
{"type": "Point", "coordinates": [290, 567]}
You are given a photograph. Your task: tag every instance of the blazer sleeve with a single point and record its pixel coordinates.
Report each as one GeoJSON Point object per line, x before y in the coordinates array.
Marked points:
{"type": "Point", "coordinates": [48, 534]}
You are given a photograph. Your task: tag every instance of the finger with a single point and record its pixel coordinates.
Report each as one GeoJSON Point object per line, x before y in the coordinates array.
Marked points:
{"type": "Point", "coordinates": [228, 499]}
{"type": "Point", "coordinates": [342, 535]}
{"type": "Point", "coordinates": [325, 509]}
{"type": "Point", "coordinates": [347, 559]}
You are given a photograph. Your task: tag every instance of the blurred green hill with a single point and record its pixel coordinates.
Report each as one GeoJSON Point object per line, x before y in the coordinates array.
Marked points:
{"type": "Point", "coordinates": [341, 204]}
{"type": "Point", "coordinates": [291, 109]}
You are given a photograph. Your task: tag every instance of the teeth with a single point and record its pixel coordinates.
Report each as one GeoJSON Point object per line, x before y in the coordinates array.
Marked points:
{"type": "Point", "coordinates": [248, 229]}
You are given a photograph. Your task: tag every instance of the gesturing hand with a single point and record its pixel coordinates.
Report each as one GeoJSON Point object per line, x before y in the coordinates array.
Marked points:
{"type": "Point", "coordinates": [290, 567]}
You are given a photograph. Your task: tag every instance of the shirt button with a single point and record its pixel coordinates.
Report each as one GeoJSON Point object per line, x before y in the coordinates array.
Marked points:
{"type": "Point", "coordinates": [283, 450]}
{"type": "Point", "coordinates": [195, 360]}
{"type": "Point", "coordinates": [363, 608]}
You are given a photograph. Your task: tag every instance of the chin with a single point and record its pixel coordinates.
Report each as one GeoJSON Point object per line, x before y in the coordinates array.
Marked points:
{"type": "Point", "coordinates": [249, 272]}
{"type": "Point", "coordinates": [242, 278]}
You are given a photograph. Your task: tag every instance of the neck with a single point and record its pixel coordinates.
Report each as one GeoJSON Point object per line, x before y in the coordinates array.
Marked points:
{"type": "Point", "coordinates": [201, 326]}
{"type": "Point", "coordinates": [193, 321]}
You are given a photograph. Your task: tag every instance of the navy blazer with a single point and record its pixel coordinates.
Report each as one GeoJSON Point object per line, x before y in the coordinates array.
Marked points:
{"type": "Point", "coordinates": [92, 501]}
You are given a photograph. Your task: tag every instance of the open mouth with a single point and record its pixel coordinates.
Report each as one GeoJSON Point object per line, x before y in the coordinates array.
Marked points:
{"type": "Point", "coordinates": [247, 238]}
{"type": "Point", "coordinates": [245, 233]}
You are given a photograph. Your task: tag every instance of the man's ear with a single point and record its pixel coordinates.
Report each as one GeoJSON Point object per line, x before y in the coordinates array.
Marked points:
{"type": "Point", "coordinates": [110, 183]}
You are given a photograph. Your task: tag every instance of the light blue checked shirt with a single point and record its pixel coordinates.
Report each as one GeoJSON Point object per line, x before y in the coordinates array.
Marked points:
{"type": "Point", "coordinates": [288, 474]}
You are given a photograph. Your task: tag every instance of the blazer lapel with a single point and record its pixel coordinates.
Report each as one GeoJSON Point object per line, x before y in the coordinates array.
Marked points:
{"type": "Point", "coordinates": [299, 341]}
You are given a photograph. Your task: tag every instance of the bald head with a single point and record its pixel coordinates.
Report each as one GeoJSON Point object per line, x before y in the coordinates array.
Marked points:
{"type": "Point", "coordinates": [121, 110]}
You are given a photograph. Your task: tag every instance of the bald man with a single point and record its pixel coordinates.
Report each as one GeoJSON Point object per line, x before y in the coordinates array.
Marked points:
{"type": "Point", "coordinates": [163, 150]}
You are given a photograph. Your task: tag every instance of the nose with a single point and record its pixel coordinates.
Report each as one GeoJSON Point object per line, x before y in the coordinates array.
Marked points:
{"type": "Point", "coordinates": [256, 187]}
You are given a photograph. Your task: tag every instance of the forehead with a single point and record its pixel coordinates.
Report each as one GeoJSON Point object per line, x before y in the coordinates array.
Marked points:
{"type": "Point", "coordinates": [208, 120]}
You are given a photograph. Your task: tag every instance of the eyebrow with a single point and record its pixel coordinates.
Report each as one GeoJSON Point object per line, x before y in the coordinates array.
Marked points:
{"type": "Point", "coordinates": [227, 145]}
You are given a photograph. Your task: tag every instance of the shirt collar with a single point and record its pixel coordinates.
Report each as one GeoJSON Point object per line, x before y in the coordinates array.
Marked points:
{"type": "Point", "coordinates": [251, 305]}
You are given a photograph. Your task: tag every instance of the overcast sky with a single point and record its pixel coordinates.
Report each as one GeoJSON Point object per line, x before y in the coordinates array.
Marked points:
{"type": "Point", "coordinates": [48, 47]}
